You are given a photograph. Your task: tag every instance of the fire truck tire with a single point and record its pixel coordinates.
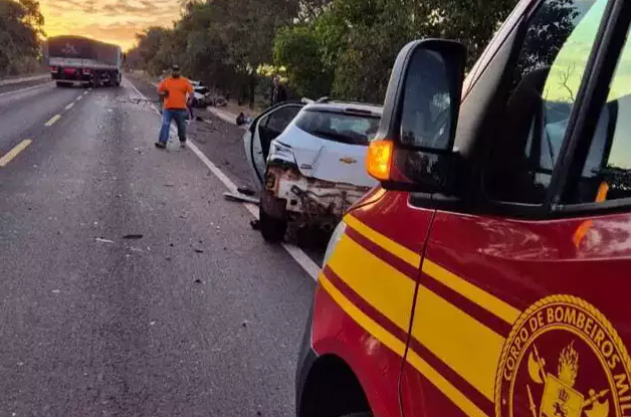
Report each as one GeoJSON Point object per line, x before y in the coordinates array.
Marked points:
{"type": "Point", "coordinates": [358, 415]}
{"type": "Point", "coordinates": [272, 229]}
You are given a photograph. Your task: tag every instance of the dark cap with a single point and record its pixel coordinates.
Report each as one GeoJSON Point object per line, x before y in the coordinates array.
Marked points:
{"type": "Point", "coordinates": [175, 67]}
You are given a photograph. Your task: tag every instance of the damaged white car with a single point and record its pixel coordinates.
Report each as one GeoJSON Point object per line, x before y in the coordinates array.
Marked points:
{"type": "Point", "coordinates": [309, 162]}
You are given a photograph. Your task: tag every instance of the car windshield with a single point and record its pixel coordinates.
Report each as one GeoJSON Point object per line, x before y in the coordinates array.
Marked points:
{"type": "Point", "coordinates": [346, 128]}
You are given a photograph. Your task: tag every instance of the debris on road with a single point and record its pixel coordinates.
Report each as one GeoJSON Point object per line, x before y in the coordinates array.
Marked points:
{"type": "Point", "coordinates": [199, 250]}
{"type": "Point", "coordinates": [246, 191]}
{"type": "Point", "coordinates": [255, 225]}
{"type": "Point", "coordinates": [241, 198]}
{"type": "Point", "coordinates": [133, 237]}
{"type": "Point", "coordinates": [101, 240]}
{"type": "Point", "coordinates": [198, 281]}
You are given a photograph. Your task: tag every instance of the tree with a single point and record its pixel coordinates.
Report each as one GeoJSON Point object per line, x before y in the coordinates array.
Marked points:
{"type": "Point", "coordinates": [20, 31]}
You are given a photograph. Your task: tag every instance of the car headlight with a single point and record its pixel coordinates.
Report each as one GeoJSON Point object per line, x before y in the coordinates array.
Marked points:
{"type": "Point", "coordinates": [337, 236]}
{"type": "Point", "coordinates": [280, 151]}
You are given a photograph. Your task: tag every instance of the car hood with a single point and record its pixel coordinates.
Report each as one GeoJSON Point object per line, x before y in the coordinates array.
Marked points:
{"type": "Point", "coordinates": [327, 160]}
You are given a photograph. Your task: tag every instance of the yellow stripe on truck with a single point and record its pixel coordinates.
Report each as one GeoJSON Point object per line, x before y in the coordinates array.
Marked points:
{"type": "Point", "coordinates": [394, 344]}
{"type": "Point", "coordinates": [444, 329]}
{"type": "Point", "coordinates": [480, 297]}
{"type": "Point", "coordinates": [381, 285]}
{"type": "Point", "coordinates": [362, 319]}
{"type": "Point", "coordinates": [388, 244]}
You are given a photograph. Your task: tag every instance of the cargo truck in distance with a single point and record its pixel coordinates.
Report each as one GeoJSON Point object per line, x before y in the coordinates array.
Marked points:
{"type": "Point", "coordinates": [74, 59]}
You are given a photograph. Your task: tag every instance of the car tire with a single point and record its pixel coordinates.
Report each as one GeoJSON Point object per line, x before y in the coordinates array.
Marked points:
{"type": "Point", "coordinates": [272, 229]}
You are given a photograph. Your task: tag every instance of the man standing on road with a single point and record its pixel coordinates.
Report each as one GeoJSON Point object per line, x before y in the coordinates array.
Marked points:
{"type": "Point", "coordinates": [175, 91]}
{"type": "Point", "coordinates": [279, 94]}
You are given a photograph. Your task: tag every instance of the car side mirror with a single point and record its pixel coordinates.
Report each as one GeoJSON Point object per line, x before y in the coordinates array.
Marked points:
{"type": "Point", "coordinates": [414, 147]}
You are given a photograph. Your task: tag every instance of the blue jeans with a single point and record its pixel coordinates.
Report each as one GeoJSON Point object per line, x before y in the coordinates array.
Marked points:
{"type": "Point", "coordinates": [179, 115]}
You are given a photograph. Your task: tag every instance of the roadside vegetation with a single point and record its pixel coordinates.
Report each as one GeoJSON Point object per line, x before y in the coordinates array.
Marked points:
{"type": "Point", "coordinates": [20, 33]}
{"type": "Point", "coordinates": [339, 48]}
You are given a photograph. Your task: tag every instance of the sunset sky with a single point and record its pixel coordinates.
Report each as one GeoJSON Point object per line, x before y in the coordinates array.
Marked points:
{"type": "Point", "coordinates": [114, 21]}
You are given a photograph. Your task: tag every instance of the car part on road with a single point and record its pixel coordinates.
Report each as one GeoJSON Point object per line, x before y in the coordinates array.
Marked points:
{"type": "Point", "coordinates": [241, 198]}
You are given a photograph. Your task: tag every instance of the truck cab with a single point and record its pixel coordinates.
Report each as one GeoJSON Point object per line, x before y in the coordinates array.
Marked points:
{"type": "Point", "coordinates": [487, 274]}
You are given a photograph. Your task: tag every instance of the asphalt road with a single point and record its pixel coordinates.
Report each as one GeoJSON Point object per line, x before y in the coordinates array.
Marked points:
{"type": "Point", "coordinates": [190, 315]}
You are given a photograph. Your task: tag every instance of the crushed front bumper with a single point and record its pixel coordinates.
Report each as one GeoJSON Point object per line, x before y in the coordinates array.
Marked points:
{"type": "Point", "coordinates": [311, 200]}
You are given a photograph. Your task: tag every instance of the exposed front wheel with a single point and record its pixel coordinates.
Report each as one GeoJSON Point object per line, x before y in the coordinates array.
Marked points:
{"type": "Point", "coordinates": [272, 229]}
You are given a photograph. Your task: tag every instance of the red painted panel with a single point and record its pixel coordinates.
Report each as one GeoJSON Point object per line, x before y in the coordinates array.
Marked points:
{"type": "Point", "coordinates": [376, 366]}
{"type": "Point", "coordinates": [393, 217]}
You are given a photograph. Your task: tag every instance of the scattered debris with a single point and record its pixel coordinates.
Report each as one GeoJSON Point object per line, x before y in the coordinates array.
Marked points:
{"type": "Point", "coordinates": [99, 239]}
{"type": "Point", "coordinates": [255, 225]}
{"type": "Point", "coordinates": [199, 250]}
{"type": "Point", "coordinates": [153, 323]}
{"type": "Point", "coordinates": [172, 245]}
{"type": "Point", "coordinates": [198, 281]}
{"type": "Point", "coordinates": [56, 291]}
{"type": "Point", "coordinates": [133, 237]}
{"type": "Point", "coordinates": [241, 198]}
{"type": "Point", "coordinates": [137, 250]}
{"type": "Point", "coordinates": [246, 191]}
{"type": "Point", "coordinates": [169, 185]}
{"type": "Point", "coordinates": [245, 323]}
{"type": "Point", "coordinates": [168, 259]}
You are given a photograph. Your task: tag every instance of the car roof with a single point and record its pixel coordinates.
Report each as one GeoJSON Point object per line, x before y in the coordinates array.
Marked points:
{"type": "Point", "coordinates": [346, 107]}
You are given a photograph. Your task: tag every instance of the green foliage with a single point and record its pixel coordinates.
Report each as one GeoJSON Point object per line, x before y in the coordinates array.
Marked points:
{"type": "Point", "coordinates": [20, 29]}
{"type": "Point", "coordinates": [298, 50]}
{"type": "Point", "coordinates": [343, 48]}
{"type": "Point", "coordinates": [358, 40]}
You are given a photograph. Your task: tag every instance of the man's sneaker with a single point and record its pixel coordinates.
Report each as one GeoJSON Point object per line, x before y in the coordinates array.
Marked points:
{"type": "Point", "coordinates": [161, 145]}
{"type": "Point", "coordinates": [183, 145]}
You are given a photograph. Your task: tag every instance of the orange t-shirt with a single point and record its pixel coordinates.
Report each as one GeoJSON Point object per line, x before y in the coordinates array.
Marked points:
{"type": "Point", "coordinates": [178, 88]}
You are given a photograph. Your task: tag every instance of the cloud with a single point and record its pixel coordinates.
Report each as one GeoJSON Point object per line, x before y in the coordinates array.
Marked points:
{"type": "Point", "coordinates": [115, 21]}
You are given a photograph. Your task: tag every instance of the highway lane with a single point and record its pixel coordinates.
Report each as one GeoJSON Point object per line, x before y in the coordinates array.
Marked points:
{"type": "Point", "coordinates": [25, 112]}
{"type": "Point", "coordinates": [196, 317]}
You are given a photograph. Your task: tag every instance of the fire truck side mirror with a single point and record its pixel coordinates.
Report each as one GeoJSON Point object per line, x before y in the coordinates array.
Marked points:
{"type": "Point", "coordinates": [414, 148]}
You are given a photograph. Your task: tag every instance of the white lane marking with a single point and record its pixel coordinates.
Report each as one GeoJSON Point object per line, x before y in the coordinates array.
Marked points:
{"type": "Point", "coordinates": [24, 90]}
{"type": "Point", "coordinates": [53, 120]}
{"type": "Point", "coordinates": [295, 252]}
{"type": "Point", "coordinates": [85, 94]}
{"type": "Point", "coordinates": [79, 98]}
{"type": "Point", "coordinates": [69, 106]}
{"type": "Point", "coordinates": [14, 152]}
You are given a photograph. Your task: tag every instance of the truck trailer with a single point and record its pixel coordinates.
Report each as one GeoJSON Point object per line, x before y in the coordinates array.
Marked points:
{"type": "Point", "coordinates": [75, 59]}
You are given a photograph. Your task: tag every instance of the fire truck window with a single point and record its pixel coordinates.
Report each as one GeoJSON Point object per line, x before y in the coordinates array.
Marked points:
{"type": "Point", "coordinates": [548, 75]}
{"type": "Point", "coordinates": [606, 174]}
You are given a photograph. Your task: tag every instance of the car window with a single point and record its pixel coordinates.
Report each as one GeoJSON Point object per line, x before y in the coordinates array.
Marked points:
{"type": "Point", "coordinates": [278, 120]}
{"type": "Point", "coordinates": [532, 124]}
{"type": "Point", "coordinates": [339, 127]}
{"type": "Point", "coordinates": [606, 174]}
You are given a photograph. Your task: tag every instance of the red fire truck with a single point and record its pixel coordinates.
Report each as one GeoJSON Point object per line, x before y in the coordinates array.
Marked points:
{"type": "Point", "coordinates": [487, 275]}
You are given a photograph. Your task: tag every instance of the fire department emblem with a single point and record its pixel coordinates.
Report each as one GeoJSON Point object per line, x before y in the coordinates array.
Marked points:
{"type": "Point", "coordinates": [563, 358]}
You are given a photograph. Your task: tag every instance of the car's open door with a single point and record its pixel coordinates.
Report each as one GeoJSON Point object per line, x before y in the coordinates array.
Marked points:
{"type": "Point", "coordinates": [265, 128]}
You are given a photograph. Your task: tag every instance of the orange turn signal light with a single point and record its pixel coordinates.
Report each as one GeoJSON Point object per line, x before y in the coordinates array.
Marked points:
{"type": "Point", "coordinates": [379, 159]}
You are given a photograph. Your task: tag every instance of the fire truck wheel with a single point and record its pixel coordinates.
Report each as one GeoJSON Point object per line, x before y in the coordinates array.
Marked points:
{"type": "Point", "coordinates": [272, 229]}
